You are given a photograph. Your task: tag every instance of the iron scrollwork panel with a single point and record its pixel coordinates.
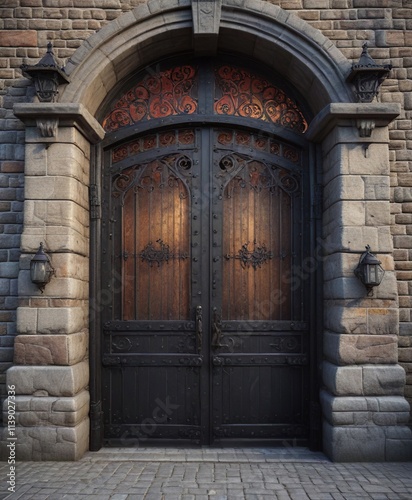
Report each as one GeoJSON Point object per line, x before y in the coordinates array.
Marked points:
{"type": "Point", "coordinates": [162, 253]}
{"type": "Point", "coordinates": [255, 257]}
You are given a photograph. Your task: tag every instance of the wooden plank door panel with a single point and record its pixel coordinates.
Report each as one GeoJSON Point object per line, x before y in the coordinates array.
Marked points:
{"type": "Point", "coordinates": [205, 337]}
{"type": "Point", "coordinates": [151, 355]}
{"type": "Point", "coordinates": [261, 345]}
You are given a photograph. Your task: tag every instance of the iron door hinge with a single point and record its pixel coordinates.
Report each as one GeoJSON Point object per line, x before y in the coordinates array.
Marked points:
{"type": "Point", "coordinates": [94, 201]}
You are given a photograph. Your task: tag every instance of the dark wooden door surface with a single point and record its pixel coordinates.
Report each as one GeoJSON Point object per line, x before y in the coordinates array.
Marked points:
{"type": "Point", "coordinates": [204, 334]}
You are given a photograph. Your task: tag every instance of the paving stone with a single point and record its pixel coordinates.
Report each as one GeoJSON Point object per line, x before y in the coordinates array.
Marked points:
{"type": "Point", "coordinates": [117, 477]}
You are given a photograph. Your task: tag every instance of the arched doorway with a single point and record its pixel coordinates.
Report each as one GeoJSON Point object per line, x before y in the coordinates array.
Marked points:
{"type": "Point", "coordinates": [207, 219]}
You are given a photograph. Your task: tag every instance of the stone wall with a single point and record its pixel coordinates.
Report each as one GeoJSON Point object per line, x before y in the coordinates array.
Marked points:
{"type": "Point", "coordinates": [27, 25]}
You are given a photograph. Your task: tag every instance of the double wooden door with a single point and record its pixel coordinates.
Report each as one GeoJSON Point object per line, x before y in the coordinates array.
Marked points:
{"type": "Point", "coordinates": [205, 334]}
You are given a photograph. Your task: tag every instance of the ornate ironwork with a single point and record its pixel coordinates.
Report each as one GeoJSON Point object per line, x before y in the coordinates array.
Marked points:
{"type": "Point", "coordinates": [286, 344]}
{"type": "Point", "coordinates": [170, 171]}
{"type": "Point", "coordinates": [237, 92]}
{"type": "Point", "coordinates": [217, 330]}
{"type": "Point", "coordinates": [249, 95]}
{"type": "Point", "coordinates": [252, 258]}
{"type": "Point", "coordinates": [178, 138]}
{"type": "Point", "coordinates": [122, 344]}
{"type": "Point", "coordinates": [199, 327]}
{"type": "Point", "coordinates": [165, 93]}
{"type": "Point", "coordinates": [153, 255]}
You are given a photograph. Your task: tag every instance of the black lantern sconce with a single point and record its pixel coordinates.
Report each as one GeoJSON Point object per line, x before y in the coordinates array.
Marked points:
{"type": "Point", "coordinates": [367, 76]}
{"type": "Point", "coordinates": [369, 270]}
{"type": "Point", "coordinates": [41, 269]}
{"type": "Point", "coordinates": [47, 76]}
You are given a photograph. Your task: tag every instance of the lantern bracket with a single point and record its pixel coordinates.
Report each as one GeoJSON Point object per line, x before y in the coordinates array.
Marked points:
{"type": "Point", "coordinates": [367, 76]}
{"type": "Point", "coordinates": [46, 75]}
{"type": "Point", "coordinates": [369, 270]}
{"type": "Point", "coordinates": [41, 269]}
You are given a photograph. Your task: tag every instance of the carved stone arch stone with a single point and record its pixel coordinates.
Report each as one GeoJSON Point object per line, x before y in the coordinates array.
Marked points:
{"type": "Point", "coordinates": [364, 412]}
{"type": "Point", "coordinates": [279, 39]}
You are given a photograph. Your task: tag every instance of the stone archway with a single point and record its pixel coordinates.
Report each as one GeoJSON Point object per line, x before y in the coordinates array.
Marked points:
{"type": "Point", "coordinates": [364, 412]}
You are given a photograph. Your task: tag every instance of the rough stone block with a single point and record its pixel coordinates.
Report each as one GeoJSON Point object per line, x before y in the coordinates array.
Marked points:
{"type": "Point", "coordinates": [352, 238]}
{"type": "Point", "coordinates": [339, 265]}
{"type": "Point", "coordinates": [67, 160]}
{"type": "Point", "coordinates": [343, 380]}
{"type": "Point", "coordinates": [63, 288]}
{"type": "Point", "coordinates": [377, 213]}
{"type": "Point", "coordinates": [47, 411]}
{"type": "Point", "coordinates": [354, 444]}
{"type": "Point", "coordinates": [51, 443]}
{"type": "Point", "coordinates": [383, 321]}
{"type": "Point", "coordinates": [343, 288]}
{"type": "Point", "coordinates": [50, 349]}
{"type": "Point", "coordinates": [56, 239]}
{"type": "Point", "coordinates": [388, 289]}
{"type": "Point", "coordinates": [69, 265]}
{"type": "Point", "coordinates": [56, 188]}
{"type": "Point", "coordinates": [349, 159]}
{"type": "Point", "coordinates": [61, 320]}
{"type": "Point", "coordinates": [392, 403]}
{"type": "Point", "coordinates": [36, 159]}
{"type": "Point", "coordinates": [383, 380]}
{"type": "Point", "coordinates": [18, 38]}
{"type": "Point", "coordinates": [40, 213]}
{"type": "Point", "coordinates": [342, 319]}
{"type": "Point", "coordinates": [398, 444]}
{"type": "Point", "coordinates": [376, 187]}
{"type": "Point", "coordinates": [49, 380]}
{"type": "Point", "coordinates": [65, 135]}
{"type": "Point", "coordinates": [344, 213]}
{"type": "Point", "coordinates": [51, 320]}
{"type": "Point", "coordinates": [360, 349]}
{"type": "Point", "coordinates": [343, 187]}
{"type": "Point", "coordinates": [27, 320]}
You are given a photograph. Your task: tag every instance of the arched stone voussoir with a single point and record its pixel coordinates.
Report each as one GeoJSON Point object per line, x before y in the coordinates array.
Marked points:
{"type": "Point", "coordinates": [251, 28]}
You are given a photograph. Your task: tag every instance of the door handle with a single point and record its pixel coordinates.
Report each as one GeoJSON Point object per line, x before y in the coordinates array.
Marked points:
{"type": "Point", "coordinates": [199, 328]}
{"type": "Point", "coordinates": [217, 330]}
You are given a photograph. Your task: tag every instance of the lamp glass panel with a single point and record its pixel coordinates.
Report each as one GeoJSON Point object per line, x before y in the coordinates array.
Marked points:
{"type": "Point", "coordinates": [38, 272]}
{"type": "Point", "coordinates": [371, 274]}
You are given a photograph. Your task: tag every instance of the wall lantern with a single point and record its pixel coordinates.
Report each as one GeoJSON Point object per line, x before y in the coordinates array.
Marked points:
{"type": "Point", "coordinates": [41, 269]}
{"type": "Point", "coordinates": [366, 76]}
{"type": "Point", "coordinates": [369, 270]}
{"type": "Point", "coordinates": [47, 76]}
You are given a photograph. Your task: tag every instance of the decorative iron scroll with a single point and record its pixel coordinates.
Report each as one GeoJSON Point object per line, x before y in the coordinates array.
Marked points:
{"type": "Point", "coordinates": [153, 255]}
{"type": "Point", "coordinates": [286, 344]}
{"type": "Point", "coordinates": [246, 94]}
{"type": "Point", "coordinates": [237, 92]}
{"type": "Point", "coordinates": [155, 174]}
{"type": "Point", "coordinates": [252, 258]}
{"type": "Point", "coordinates": [258, 142]}
{"type": "Point", "coordinates": [166, 93]}
{"type": "Point", "coordinates": [184, 137]}
{"type": "Point", "coordinates": [258, 176]}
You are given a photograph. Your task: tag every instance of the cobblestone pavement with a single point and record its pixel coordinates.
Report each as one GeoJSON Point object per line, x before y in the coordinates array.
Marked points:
{"type": "Point", "coordinates": [207, 474]}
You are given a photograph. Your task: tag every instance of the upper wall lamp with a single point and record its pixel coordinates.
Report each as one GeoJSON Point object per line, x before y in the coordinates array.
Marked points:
{"type": "Point", "coordinates": [47, 76]}
{"type": "Point", "coordinates": [369, 270]}
{"type": "Point", "coordinates": [366, 76]}
{"type": "Point", "coordinates": [41, 269]}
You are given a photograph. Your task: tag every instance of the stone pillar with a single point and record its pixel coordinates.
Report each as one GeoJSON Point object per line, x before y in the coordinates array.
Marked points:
{"type": "Point", "coordinates": [365, 415]}
{"type": "Point", "coordinates": [51, 371]}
